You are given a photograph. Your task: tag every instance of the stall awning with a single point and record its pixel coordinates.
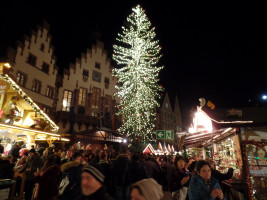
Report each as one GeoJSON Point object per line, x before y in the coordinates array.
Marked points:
{"type": "Point", "coordinates": [20, 132]}
{"type": "Point", "coordinates": [204, 139]}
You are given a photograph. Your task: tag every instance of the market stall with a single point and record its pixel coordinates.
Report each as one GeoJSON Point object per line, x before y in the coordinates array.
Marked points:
{"type": "Point", "coordinates": [254, 151]}
{"type": "Point", "coordinates": [20, 118]}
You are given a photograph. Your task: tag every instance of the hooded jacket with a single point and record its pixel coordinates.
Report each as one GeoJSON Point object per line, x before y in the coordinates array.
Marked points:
{"type": "Point", "coordinates": [199, 191]}
{"type": "Point", "coordinates": [75, 168]}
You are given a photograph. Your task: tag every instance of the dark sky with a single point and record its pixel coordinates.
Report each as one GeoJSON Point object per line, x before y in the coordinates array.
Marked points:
{"type": "Point", "coordinates": [212, 51]}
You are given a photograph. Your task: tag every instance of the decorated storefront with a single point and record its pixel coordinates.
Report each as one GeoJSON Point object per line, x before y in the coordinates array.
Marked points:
{"type": "Point", "coordinates": [254, 151]}
{"type": "Point", "coordinates": [20, 118]}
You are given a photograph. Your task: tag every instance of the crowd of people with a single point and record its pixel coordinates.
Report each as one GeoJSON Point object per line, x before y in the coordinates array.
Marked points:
{"type": "Point", "coordinates": [68, 175]}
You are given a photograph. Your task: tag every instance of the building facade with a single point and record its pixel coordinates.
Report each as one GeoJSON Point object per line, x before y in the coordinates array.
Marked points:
{"type": "Point", "coordinates": [34, 68]}
{"type": "Point", "coordinates": [169, 118]}
{"type": "Point", "coordinates": [87, 92]}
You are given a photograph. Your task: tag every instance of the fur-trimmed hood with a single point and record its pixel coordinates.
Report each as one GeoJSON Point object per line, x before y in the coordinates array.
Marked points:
{"type": "Point", "coordinates": [69, 165]}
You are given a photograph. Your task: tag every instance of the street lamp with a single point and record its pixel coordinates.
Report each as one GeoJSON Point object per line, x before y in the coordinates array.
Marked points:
{"type": "Point", "coordinates": [264, 97]}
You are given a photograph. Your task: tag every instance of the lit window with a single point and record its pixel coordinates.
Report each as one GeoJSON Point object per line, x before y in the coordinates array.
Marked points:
{"type": "Point", "coordinates": [67, 96]}
{"type": "Point", "coordinates": [21, 78]}
{"type": "Point", "coordinates": [50, 92]}
{"type": "Point", "coordinates": [96, 94]}
{"type": "Point", "coordinates": [167, 105]}
{"type": "Point", "coordinates": [82, 97]}
{"type": "Point", "coordinates": [36, 86]}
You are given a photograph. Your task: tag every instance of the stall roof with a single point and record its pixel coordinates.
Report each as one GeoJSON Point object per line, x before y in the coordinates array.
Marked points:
{"type": "Point", "coordinates": [16, 87]}
{"type": "Point", "coordinates": [204, 139]}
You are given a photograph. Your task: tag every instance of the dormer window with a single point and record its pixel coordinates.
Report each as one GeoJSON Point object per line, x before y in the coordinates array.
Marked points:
{"type": "Point", "coordinates": [85, 75]}
{"type": "Point", "coordinates": [42, 47]}
{"type": "Point", "coordinates": [97, 65]}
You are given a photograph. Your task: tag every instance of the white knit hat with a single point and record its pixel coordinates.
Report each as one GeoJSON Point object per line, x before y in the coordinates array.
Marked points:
{"type": "Point", "coordinates": [150, 189]}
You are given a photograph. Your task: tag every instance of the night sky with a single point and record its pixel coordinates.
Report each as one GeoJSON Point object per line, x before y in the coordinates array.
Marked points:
{"type": "Point", "coordinates": [216, 51]}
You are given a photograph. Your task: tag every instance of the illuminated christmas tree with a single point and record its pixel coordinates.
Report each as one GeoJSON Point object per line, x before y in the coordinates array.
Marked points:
{"type": "Point", "coordinates": [138, 54]}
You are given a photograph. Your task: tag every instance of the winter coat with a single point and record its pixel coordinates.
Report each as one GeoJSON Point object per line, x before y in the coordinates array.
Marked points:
{"type": "Point", "coordinates": [137, 172]}
{"type": "Point", "coordinates": [105, 168]}
{"type": "Point", "coordinates": [177, 178]}
{"type": "Point", "coordinates": [120, 171]}
{"type": "Point", "coordinates": [220, 176]}
{"type": "Point", "coordinates": [20, 164]}
{"type": "Point", "coordinates": [6, 169]}
{"type": "Point", "coordinates": [169, 172]}
{"type": "Point", "coordinates": [154, 171]}
{"type": "Point", "coordinates": [33, 163]}
{"type": "Point", "coordinates": [199, 191]}
{"type": "Point", "coordinates": [48, 185]}
{"type": "Point", "coordinates": [75, 168]}
{"type": "Point", "coordinates": [98, 195]}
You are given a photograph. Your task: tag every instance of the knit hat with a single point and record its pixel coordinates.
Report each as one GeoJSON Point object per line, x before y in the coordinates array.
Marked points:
{"type": "Point", "coordinates": [94, 172]}
{"type": "Point", "coordinates": [150, 189]}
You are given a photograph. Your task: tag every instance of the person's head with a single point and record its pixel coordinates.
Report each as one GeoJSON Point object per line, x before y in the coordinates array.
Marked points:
{"type": "Point", "coordinates": [20, 144]}
{"type": "Point", "coordinates": [49, 162]}
{"type": "Point", "coordinates": [203, 169]}
{"type": "Point", "coordinates": [45, 153]}
{"type": "Point", "coordinates": [32, 152]}
{"type": "Point", "coordinates": [77, 156]}
{"type": "Point", "coordinates": [25, 155]}
{"type": "Point", "coordinates": [92, 179]}
{"type": "Point", "coordinates": [179, 162]}
{"type": "Point", "coordinates": [146, 189]}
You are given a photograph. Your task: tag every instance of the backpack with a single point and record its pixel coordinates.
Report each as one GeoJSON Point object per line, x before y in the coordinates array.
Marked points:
{"type": "Point", "coordinates": [66, 183]}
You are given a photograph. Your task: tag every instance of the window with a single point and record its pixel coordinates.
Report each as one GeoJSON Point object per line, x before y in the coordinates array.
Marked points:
{"type": "Point", "coordinates": [45, 68]}
{"type": "Point", "coordinates": [21, 78]}
{"type": "Point", "coordinates": [42, 47]}
{"type": "Point", "coordinates": [67, 96]}
{"type": "Point", "coordinates": [106, 82]}
{"type": "Point", "coordinates": [50, 92]}
{"type": "Point", "coordinates": [96, 94]}
{"type": "Point", "coordinates": [36, 86]}
{"type": "Point", "coordinates": [85, 75]}
{"type": "Point", "coordinates": [96, 76]}
{"type": "Point", "coordinates": [82, 97]}
{"type": "Point", "coordinates": [108, 103]}
{"type": "Point", "coordinates": [32, 59]}
{"type": "Point", "coordinates": [97, 65]}
{"type": "Point", "coordinates": [46, 110]}
{"type": "Point", "coordinates": [167, 105]}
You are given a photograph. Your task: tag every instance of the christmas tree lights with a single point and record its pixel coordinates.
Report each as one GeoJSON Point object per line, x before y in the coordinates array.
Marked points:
{"type": "Point", "coordinates": [138, 53]}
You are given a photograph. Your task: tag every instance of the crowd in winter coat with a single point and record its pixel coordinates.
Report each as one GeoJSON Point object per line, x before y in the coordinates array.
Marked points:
{"type": "Point", "coordinates": [46, 175]}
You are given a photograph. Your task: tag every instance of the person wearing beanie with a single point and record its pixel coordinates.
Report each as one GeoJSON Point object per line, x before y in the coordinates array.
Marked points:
{"type": "Point", "coordinates": [92, 181]}
{"type": "Point", "coordinates": [146, 189]}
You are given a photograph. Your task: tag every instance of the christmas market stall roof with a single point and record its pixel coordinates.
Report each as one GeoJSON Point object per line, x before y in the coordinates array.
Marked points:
{"type": "Point", "coordinates": [19, 113]}
{"type": "Point", "coordinates": [142, 147]}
